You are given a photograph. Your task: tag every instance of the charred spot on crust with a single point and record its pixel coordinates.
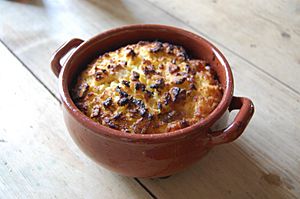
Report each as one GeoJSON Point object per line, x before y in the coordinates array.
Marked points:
{"type": "Point", "coordinates": [104, 71]}
{"type": "Point", "coordinates": [141, 126]}
{"type": "Point", "coordinates": [98, 75]}
{"type": "Point", "coordinates": [149, 69]}
{"type": "Point", "coordinates": [187, 68]}
{"type": "Point", "coordinates": [82, 90]}
{"type": "Point", "coordinates": [197, 65]}
{"type": "Point", "coordinates": [143, 87]}
{"type": "Point", "coordinates": [192, 71]}
{"type": "Point", "coordinates": [121, 92]}
{"type": "Point", "coordinates": [182, 95]}
{"type": "Point", "coordinates": [90, 94]}
{"type": "Point", "coordinates": [168, 116]}
{"type": "Point", "coordinates": [140, 107]}
{"type": "Point", "coordinates": [160, 83]}
{"type": "Point", "coordinates": [177, 94]}
{"type": "Point", "coordinates": [161, 66]}
{"type": "Point", "coordinates": [142, 111]}
{"type": "Point", "coordinates": [183, 123]}
{"type": "Point", "coordinates": [95, 111]}
{"type": "Point", "coordinates": [107, 102]}
{"type": "Point", "coordinates": [159, 105]}
{"type": "Point", "coordinates": [117, 116]}
{"type": "Point", "coordinates": [169, 49]}
{"type": "Point", "coordinates": [116, 67]}
{"type": "Point", "coordinates": [173, 68]}
{"type": "Point", "coordinates": [183, 74]}
{"type": "Point", "coordinates": [174, 92]}
{"type": "Point", "coordinates": [153, 86]}
{"type": "Point", "coordinates": [139, 85]}
{"type": "Point", "coordinates": [130, 53]}
{"type": "Point", "coordinates": [82, 106]}
{"type": "Point", "coordinates": [157, 47]}
{"type": "Point", "coordinates": [183, 55]}
{"type": "Point", "coordinates": [123, 101]}
{"type": "Point", "coordinates": [148, 93]}
{"type": "Point", "coordinates": [180, 80]}
{"type": "Point", "coordinates": [192, 87]}
{"type": "Point", "coordinates": [110, 123]}
{"type": "Point", "coordinates": [135, 76]}
{"type": "Point", "coordinates": [191, 79]}
{"type": "Point", "coordinates": [171, 115]}
{"type": "Point", "coordinates": [126, 83]}
{"type": "Point", "coordinates": [138, 103]}
{"type": "Point", "coordinates": [167, 98]}
{"type": "Point", "coordinates": [150, 116]}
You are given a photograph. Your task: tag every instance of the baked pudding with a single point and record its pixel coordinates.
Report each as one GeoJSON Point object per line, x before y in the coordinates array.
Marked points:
{"type": "Point", "coordinates": [147, 88]}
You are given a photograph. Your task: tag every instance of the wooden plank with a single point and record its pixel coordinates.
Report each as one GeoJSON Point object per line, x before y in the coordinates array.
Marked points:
{"type": "Point", "coordinates": [264, 33]}
{"type": "Point", "coordinates": [38, 159]}
{"type": "Point", "coordinates": [263, 163]}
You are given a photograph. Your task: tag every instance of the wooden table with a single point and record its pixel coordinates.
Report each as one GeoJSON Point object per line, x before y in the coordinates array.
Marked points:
{"type": "Point", "coordinates": [261, 40]}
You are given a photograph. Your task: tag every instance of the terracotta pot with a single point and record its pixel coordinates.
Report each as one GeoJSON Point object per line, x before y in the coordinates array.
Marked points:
{"type": "Point", "coordinates": [151, 155]}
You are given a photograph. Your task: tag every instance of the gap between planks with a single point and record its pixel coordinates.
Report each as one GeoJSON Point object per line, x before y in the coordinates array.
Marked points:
{"type": "Point", "coordinates": [146, 188]}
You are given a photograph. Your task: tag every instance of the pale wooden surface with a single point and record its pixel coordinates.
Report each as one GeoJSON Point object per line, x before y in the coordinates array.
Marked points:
{"type": "Point", "coordinates": [261, 41]}
{"type": "Point", "coordinates": [266, 34]}
{"type": "Point", "coordinates": [37, 157]}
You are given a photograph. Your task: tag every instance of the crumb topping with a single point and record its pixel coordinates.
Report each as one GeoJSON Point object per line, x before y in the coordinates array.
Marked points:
{"type": "Point", "coordinates": [148, 87]}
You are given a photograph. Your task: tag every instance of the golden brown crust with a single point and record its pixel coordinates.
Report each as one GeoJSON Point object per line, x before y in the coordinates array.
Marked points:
{"type": "Point", "coordinates": [148, 87]}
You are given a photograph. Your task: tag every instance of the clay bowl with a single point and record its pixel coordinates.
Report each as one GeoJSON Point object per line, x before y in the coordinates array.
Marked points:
{"type": "Point", "coordinates": [150, 155]}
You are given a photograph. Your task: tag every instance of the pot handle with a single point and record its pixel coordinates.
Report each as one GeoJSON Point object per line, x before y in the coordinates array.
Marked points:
{"type": "Point", "coordinates": [61, 52]}
{"type": "Point", "coordinates": [240, 122]}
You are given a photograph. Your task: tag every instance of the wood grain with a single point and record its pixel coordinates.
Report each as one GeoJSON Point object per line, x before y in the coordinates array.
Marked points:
{"type": "Point", "coordinates": [265, 161]}
{"type": "Point", "coordinates": [38, 159]}
{"type": "Point", "coordinates": [266, 34]}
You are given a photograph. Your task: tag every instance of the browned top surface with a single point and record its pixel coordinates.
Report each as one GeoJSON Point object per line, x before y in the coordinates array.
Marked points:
{"type": "Point", "coordinates": [148, 87]}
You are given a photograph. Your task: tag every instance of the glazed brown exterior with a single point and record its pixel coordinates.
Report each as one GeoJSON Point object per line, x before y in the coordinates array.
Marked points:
{"type": "Point", "coordinates": [150, 155]}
